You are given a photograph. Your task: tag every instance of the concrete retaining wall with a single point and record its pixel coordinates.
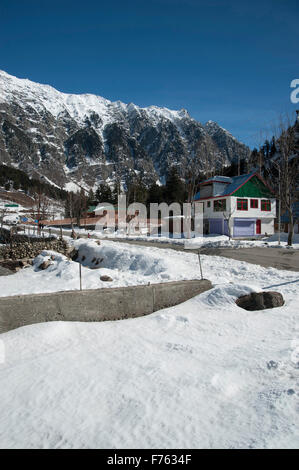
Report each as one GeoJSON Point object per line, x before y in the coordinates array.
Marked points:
{"type": "Point", "coordinates": [95, 305]}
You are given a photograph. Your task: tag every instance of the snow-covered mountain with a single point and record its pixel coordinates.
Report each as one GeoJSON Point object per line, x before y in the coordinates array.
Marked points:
{"type": "Point", "coordinates": [87, 139]}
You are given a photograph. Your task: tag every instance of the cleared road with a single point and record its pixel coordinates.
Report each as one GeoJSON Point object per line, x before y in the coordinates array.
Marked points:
{"type": "Point", "coordinates": [279, 258]}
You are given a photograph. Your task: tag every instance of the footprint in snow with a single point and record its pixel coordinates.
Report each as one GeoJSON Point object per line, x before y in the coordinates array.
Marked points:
{"type": "Point", "coordinates": [272, 365]}
{"type": "Point", "coordinates": [182, 319]}
{"type": "Point", "coordinates": [179, 347]}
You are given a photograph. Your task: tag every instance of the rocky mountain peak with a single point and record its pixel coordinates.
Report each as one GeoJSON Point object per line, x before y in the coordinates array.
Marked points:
{"type": "Point", "coordinates": [86, 139]}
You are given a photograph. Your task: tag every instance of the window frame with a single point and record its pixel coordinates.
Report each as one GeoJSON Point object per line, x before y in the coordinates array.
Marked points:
{"type": "Point", "coordinates": [254, 201]}
{"type": "Point", "coordinates": [266, 205]}
{"type": "Point", "coordinates": [242, 201]}
{"type": "Point", "coordinates": [222, 205]}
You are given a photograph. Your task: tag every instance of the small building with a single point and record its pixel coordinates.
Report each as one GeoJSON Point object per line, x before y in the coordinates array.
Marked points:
{"type": "Point", "coordinates": [13, 205]}
{"type": "Point", "coordinates": [239, 206]}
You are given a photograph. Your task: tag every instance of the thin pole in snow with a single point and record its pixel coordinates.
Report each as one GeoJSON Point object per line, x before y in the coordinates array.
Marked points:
{"type": "Point", "coordinates": [199, 260]}
{"type": "Point", "coordinates": [80, 275]}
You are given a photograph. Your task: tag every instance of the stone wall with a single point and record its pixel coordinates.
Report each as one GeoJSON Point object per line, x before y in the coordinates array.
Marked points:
{"type": "Point", "coordinates": [21, 246]}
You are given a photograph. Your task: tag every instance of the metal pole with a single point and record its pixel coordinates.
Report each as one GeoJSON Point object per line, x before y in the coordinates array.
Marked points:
{"type": "Point", "coordinates": [199, 260]}
{"type": "Point", "coordinates": [80, 274]}
{"type": "Point", "coordinates": [279, 207]}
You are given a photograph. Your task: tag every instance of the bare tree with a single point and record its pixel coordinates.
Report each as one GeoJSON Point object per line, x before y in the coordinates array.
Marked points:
{"type": "Point", "coordinates": [4, 211]}
{"type": "Point", "coordinates": [227, 216]}
{"type": "Point", "coordinates": [76, 206]}
{"type": "Point", "coordinates": [285, 169]}
{"type": "Point", "coordinates": [40, 206]}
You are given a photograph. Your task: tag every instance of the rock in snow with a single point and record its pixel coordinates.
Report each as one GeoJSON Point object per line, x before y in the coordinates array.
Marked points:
{"type": "Point", "coordinates": [260, 300]}
{"type": "Point", "coordinates": [106, 278]}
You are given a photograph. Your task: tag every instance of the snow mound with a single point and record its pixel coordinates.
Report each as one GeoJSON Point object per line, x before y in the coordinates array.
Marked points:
{"type": "Point", "coordinates": [124, 259]}
{"type": "Point", "coordinates": [226, 295]}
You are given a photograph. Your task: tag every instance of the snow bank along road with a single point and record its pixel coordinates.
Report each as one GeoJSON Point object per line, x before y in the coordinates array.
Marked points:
{"type": "Point", "coordinates": [203, 374]}
{"type": "Point", "coordinates": [279, 258]}
{"type": "Point", "coordinates": [266, 254]}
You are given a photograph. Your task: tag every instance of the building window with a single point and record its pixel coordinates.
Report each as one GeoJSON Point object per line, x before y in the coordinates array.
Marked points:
{"type": "Point", "coordinates": [242, 204]}
{"type": "Point", "coordinates": [254, 203]}
{"type": "Point", "coordinates": [209, 203]}
{"type": "Point", "coordinates": [220, 205]}
{"type": "Point", "coordinates": [265, 205]}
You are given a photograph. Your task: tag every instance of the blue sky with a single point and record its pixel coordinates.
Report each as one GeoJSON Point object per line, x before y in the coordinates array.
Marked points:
{"type": "Point", "coordinates": [228, 61]}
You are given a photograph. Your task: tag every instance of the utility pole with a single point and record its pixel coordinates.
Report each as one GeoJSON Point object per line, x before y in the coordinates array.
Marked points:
{"type": "Point", "coordinates": [279, 206]}
{"type": "Point", "coordinates": [279, 200]}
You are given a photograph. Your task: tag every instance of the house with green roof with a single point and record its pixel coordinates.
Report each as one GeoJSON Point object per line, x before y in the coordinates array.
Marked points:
{"type": "Point", "coordinates": [239, 206]}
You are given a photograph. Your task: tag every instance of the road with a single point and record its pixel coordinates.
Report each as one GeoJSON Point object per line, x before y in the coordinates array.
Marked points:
{"type": "Point", "coordinates": [279, 258]}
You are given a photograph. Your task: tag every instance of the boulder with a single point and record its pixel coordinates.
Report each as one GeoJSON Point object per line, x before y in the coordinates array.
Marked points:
{"type": "Point", "coordinates": [260, 300]}
{"type": "Point", "coordinates": [45, 264]}
{"type": "Point", "coordinates": [106, 278]}
{"type": "Point", "coordinates": [23, 263]}
{"type": "Point", "coordinates": [74, 254]}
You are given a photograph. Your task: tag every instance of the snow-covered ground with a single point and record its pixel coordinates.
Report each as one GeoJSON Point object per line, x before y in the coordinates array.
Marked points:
{"type": "Point", "coordinates": [199, 241]}
{"type": "Point", "coordinates": [203, 374]}
{"type": "Point", "coordinates": [128, 265]}
{"type": "Point", "coordinates": [204, 241]}
{"type": "Point", "coordinates": [211, 241]}
{"type": "Point", "coordinates": [215, 241]}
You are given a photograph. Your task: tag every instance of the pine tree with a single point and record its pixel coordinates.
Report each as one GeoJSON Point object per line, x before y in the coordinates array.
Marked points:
{"type": "Point", "coordinates": [90, 198]}
{"type": "Point", "coordinates": [155, 194]}
{"type": "Point", "coordinates": [116, 192]}
{"type": "Point", "coordinates": [175, 189]}
{"type": "Point", "coordinates": [104, 193]}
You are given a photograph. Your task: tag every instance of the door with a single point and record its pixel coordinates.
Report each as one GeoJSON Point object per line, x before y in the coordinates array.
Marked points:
{"type": "Point", "coordinates": [216, 226]}
{"type": "Point", "coordinates": [258, 226]}
{"type": "Point", "coordinates": [243, 227]}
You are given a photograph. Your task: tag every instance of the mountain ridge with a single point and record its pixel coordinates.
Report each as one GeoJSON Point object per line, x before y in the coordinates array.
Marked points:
{"type": "Point", "coordinates": [86, 139]}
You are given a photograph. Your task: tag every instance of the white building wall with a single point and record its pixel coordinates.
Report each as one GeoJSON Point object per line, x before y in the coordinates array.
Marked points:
{"type": "Point", "coordinates": [209, 211]}
{"type": "Point", "coordinates": [267, 226]}
{"type": "Point", "coordinates": [253, 213]}
{"type": "Point", "coordinates": [266, 217]}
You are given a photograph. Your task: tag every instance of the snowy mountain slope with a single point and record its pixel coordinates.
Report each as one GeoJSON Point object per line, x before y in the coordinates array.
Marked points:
{"type": "Point", "coordinates": [87, 139]}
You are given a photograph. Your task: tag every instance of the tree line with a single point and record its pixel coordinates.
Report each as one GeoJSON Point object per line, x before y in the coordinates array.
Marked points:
{"type": "Point", "coordinates": [13, 178]}
{"type": "Point", "coordinates": [277, 161]}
